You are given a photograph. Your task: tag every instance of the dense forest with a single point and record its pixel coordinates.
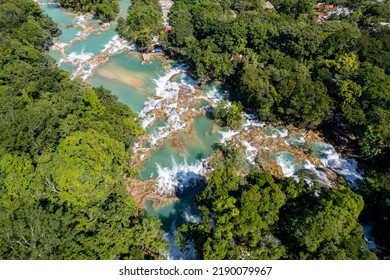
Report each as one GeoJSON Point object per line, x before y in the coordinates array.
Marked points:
{"type": "Point", "coordinates": [289, 67]}
{"type": "Point", "coordinates": [64, 150]}
{"type": "Point", "coordinates": [105, 10]}
{"type": "Point", "coordinates": [143, 22]}
{"type": "Point", "coordinates": [314, 66]}
{"type": "Point", "coordinates": [65, 147]}
{"type": "Point", "coordinates": [257, 217]}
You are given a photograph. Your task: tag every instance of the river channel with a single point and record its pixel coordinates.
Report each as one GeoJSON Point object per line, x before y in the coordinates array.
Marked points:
{"type": "Point", "coordinates": [179, 135]}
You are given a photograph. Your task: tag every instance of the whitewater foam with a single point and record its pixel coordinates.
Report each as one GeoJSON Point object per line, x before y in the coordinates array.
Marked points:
{"type": "Point", "coordinates": [347, 167]}
{"type": "Point", "coordinates": [174, 179]}
{"type": "Point", "coordinates": [228, 135]}
{"type": "Point", "coordinates": [148, 120]}
{"type": "Point", "coordinates": [166, 98]}
{"type": "Point", "coordinates": [115, 45]}
{"type": "Point", "coordinates": [287, 162]}
{"type": "Point", "coordinates": [251, 120]}
{"type": "Point", "coordinates": [251, 152]}
{"type": "Point", "coordinates": [274, 132]}
{"type": "Point", "coordinates": [321, 176]}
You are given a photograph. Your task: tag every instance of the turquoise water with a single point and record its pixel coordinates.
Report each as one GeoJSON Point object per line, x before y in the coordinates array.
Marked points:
{"type": "Point", "coordinates": [67, 68]}
{"type": "Point", "coordinates": [68, 34]}
{"type": "Point", "coordinates": [177, 212]}
{"type": "Point", "coordinates": [165, 155]}
{"type": "Point", "coordinates": [286, 161]}
{"type": "Point", "coordinates": [61, 16]}
{"type": "Point", "coordinates": [323, 150]}
{"type": "Point", "coordinates": [275, 132]}
{"type": "Point", "coordinates": [65, 20]}
{"type": "Point", "coordinates": [55, 55]}
{"type": "Point", "coordinates": [296, 140]}
{"type": "Point", "coordinates": [128, 79]}
{"type": "Point", "coordinates": [156, 125]}
{"type": "Point", "coordinates": [202, 105]}
{"type": "Point", "coordinates": [93, 44]}
{"type": "Point", "coordinates": [125, 93]}
{"type": "Point", "coordinates": [124, 6]}
{"type": "Point", "coordinates": [188, 150]}
{"type": "Point", "coordinates": [200, 143]}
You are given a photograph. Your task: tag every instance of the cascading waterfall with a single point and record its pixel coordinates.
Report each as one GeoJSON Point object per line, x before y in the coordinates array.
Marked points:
{"type": "Point", "coordinates": [84, 62]}
{"type": "Point", "coordinates": [287, 162]}
{"type": "Point", "coordinates": [176, 177]}
{"type": "Point", "coordinates": [166, 98]}
{"type": "Point", "coordinates": [347, 167]}
{"type": "Point", "coordinates": [250, 152]}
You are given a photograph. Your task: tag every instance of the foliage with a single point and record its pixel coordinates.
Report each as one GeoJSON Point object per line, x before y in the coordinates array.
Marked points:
{"type": "Point", "coordinates": [105, 10]}
{"type": "Point", "coordinates": [376, 194]}
{"type": "Point", "coordinates": [257, 217]}
{"type": "Point", "coordinates": [64, 150]}
{"type": "Point", "coordinates": [144, 20]}
{"type": "Point", "coordinates": [228, 115]}
{"type": "Point", "coordinates": [289, 67]}
{"type": "Point", "coordinates": [286, 66]}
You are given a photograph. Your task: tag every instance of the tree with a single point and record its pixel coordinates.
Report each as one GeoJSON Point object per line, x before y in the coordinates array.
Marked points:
{"type": "Point", "coordinates": [143, 21]}
{"type": "Point", "coordinates": [318, 219]}
{"type": "Point", "coordinates": [64, 150]}
{"type": "Point", "coordinates": [229, 116]}
{"type": "Point", "coordinates": [105, 10]}
{"type": "Point", "coordinates": [350, 91]}
{"type": "Point", "coordinates": [255, 90]}
{"type": "Point", "coordinates": [180, 17]}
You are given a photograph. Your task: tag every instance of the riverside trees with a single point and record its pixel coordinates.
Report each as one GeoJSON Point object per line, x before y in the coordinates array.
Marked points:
{"type": "Point", "coordinates": [105, 10]}
{"type": "Point", "coordinates": [258, 217]}
{"type": "Point", "coordinates": [64, 151]}
{"type": "Point", "coordinates": [143, 21]}
{"type": "Point", "coordinates": [289, 67]}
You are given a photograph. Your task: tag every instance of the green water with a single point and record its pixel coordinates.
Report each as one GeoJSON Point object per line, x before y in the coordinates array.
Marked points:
{"type": "Point", "coordinates": [165, 155]}
{"type": "Point", "coordinates": [157, 124]}
{"type": "Point", "coordinates": [61, 16]}
{"type": "Point", "coordinates": [275, 132]}
{"type": "Point", "coordinates": [124, 6]}
{"type": "Point", "coordinates": [197, 145]}
{"type": "Point", "coordinates": [200, 143]}
{"type": "Point", "coordinates": [128, 79]}
{"type": "Point", "coordinates": [64, 19]}
{"type": "Point", "coordinates": [67, 67]}
{"type": "Point", "coordinates": [177, 212]}
{"type": "Point", "coordinates": [296, 140]}
{"type": "Point", "coordinates": [93, 44]}
{"type": "Point", "coordinates": [134, 83]}
{"type": "Point", "coordinates": [322, 150]}
{"type": "Point", "coordinates": [202, 105]}
{"type": "Point", "coordinates": [55, 55]}
{"type": "Point", "coordinates": [68, 34]}
{"type": "Point", "coordinates": [286, 161]}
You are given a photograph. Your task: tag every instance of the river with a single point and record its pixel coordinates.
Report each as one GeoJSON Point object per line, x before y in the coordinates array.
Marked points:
{"type": "Point", "coordinates": [179, 137]}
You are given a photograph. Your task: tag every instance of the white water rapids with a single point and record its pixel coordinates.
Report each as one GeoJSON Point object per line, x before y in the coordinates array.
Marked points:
{"type": "Point", "coordinates": [176, 177]}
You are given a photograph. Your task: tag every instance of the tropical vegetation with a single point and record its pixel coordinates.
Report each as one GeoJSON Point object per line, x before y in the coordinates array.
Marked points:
{"type": "Point", "coordinates": [64, 152]}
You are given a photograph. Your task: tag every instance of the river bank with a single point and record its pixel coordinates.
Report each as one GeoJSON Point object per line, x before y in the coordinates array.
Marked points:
{"type": "Point", "coordinates": [180, 136]}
